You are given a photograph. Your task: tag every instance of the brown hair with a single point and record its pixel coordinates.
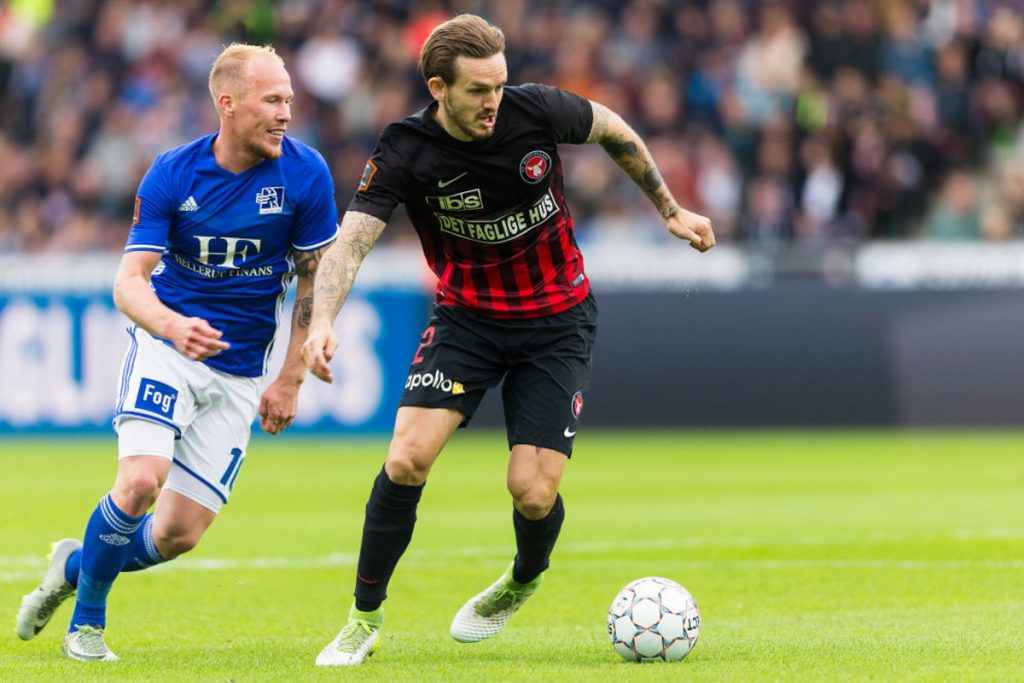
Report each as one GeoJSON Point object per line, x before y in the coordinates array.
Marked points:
{"type": "Point", "coordinates": [465, 35]}
{"type": "Point", "coordinates": [228, 72]}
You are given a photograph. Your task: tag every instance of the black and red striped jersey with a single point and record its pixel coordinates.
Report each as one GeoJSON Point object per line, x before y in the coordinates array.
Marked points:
{"type": "Point", "coordinates": [491, 214]}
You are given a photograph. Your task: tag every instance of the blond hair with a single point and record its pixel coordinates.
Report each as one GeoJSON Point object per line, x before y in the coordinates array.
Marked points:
{"type": "Point", "coordinates": [228, 71]}
{"type": "Point", "coordinates": [465, 35]}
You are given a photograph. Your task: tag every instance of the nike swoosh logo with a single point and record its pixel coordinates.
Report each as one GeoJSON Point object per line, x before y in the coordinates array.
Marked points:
{"type": "Point", "coordinates": [445, 183]}
{"type": "Point", "coordinates": [569, 434]}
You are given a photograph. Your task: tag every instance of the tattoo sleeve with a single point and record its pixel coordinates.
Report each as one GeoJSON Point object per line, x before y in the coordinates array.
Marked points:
{"type": "Point", "coordinates": [337, 270]}
{"type": "Point", "coordinates": [306, 263]}
{"type": "Point", "coordinates": [599, 129]}
{"type": "Point", "coordinates": [631, 154]}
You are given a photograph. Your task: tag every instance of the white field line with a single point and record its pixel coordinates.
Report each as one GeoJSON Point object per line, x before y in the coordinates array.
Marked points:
{"type": "Point", "coordinates": [584, 547]}
{"type": "Point", "coordinates": [299, 563]}
{"type": "Point", "coordinates": [17, 568]}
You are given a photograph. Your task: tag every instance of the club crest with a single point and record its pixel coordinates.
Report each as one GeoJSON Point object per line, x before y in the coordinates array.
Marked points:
{"type": "Point", "coordinates": [535, 166]}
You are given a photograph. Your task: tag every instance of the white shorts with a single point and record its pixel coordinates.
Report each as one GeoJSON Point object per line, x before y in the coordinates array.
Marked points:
{"type": "Point", "coordinates": [209, 412]}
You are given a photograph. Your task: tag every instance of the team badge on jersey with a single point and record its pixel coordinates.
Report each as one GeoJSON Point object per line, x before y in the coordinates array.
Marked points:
{"type": "Point", "coordinates": [577, 404]}
{"type": "Point", "coordinates": [368, 174]}
{"type": "Point", "coordinates": [136, 210]}
{"type": "Point", "coordinates": [535, 166]}
{"type": "Point", "coordinates": [270, 200]}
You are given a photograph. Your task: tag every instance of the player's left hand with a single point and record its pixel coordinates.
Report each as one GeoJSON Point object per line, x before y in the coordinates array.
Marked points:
{"type": "Point", "coordinates": [692, 227]}
{"type": "Point", "coordinates": [278, 405]}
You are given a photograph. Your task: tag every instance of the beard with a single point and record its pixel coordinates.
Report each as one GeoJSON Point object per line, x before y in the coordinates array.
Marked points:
{"type": "Point", "coordinates": [262, 149]}
{"type": "Point", "coordinates": [466, 122]}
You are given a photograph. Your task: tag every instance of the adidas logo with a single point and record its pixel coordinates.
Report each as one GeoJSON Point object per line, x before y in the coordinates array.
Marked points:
{"type": "Point", "coordinates": [189, 204]}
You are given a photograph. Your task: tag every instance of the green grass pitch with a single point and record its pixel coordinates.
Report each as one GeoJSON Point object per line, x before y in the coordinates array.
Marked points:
{"type": "Point", "coordinates": [814, 556]}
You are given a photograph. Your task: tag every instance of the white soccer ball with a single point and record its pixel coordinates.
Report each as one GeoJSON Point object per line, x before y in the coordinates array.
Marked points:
{"type": "Point", "coordinates": [653, 620]}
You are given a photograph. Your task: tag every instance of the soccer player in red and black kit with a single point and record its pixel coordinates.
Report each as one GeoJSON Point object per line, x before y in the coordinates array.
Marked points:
{"type": "Point", "coordinates": [479, 173]}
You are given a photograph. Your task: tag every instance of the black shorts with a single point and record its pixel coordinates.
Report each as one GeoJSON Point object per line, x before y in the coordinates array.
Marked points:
{"type": "Point", "coordinates": [545, 364]}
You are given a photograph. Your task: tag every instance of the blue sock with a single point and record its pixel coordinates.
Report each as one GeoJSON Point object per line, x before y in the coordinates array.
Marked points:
{"type": "Point", "coordinates": [105, 549]}
{"type": "Point", "coordinates": [143, 554]}
{"type": "Point", "coordinates": [73, 566]}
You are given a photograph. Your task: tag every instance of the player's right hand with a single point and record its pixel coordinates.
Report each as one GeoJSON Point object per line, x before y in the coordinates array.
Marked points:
{"type": "Point", "coordinates": [195, 338]}
{"type": "Point", "coordinates": [692, 227]}
{"type": "Point", "coordinates": [319, 349]}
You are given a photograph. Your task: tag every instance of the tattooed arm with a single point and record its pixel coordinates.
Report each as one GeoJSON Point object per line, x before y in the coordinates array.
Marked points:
{"type": "Point", "coordinates": [631, 154]}
{"type": "Point", "coordinates": [281, 399]}
{"type": "Point", "coordinates": [337, 272]}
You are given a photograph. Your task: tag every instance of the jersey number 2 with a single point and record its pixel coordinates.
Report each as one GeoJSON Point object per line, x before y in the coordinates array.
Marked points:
{"type": "Point", "coordinates": [427, 340]}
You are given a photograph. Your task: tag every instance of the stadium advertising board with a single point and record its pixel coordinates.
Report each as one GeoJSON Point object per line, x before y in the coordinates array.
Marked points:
{"type": "Point", "coordinates": [60, 357]}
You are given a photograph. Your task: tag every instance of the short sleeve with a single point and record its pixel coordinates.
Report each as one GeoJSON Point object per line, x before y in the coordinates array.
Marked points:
{"type": "Point", "coordinates": [571, 117]}
{"type": "Point", "coordinates": [317, 221]}
{"type": "Point", "coordinates": [383, 185]}
{"type": "Point", "coordinates": [153, 212]}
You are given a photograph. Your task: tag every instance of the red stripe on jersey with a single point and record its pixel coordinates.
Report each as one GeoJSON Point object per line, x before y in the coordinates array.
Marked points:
{"type": "Point", "coordinates": [526, 288]}
{"type": "Point", "coordinates": [572, 262]}
{"type": "Point", "coordinates": [480, 281]}
{"type": "Point", "coordinates": [534, 275]}
{"type": "Point", "coordinates": [545, 260]}
{"type": "Point", "coordinates": [466, 295]}
{"type": "Point", "coordinates": [444, 280]}
{"type": "Point", "coordinates": [497, 291]}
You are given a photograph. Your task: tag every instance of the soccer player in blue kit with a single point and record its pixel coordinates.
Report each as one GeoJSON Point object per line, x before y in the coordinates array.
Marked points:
{"type": "Point", "coordinates": [220, 227]}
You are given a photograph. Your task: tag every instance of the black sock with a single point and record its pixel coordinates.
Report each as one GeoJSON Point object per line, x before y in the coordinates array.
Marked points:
{"type": "Point", "coordinates": [535, 539]}
{"type": "Point", "coordinates": [387, 530]}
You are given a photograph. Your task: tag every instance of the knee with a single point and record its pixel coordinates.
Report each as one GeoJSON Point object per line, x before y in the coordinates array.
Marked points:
{"type": "Point", "coordinates": [136, 491]}
{"type": "Point", "coordinates": [175, 542]}
{"type": "Point", "coordinates": [534, 501]}
{"type": "Point", "coordinates": [406, 470]}
{"type": "Point", "coordinates": [409, 459]}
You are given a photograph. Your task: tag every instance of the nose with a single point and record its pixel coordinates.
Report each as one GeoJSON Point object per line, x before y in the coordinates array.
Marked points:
{"type": "Point", "coordinates": [285, 112]}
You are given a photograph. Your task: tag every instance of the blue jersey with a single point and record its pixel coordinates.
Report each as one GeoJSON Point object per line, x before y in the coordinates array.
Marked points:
{"type": "Point", "coordinates": [227, 238]}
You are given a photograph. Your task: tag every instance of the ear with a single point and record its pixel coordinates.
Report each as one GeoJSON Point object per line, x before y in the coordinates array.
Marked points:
{"type": "Point", "coordinates": [226, 104]}
{"type": "Point", "coordinates": [437, 87]}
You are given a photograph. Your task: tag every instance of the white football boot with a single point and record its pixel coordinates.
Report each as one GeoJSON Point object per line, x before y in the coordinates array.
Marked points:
{"type": "Point", "coordinates": [487, 613]}
{"type": "Point", "coordinates": [87, 644]}
{"type": "Point", "coordinates": [358, 639]}
{"type": "Point", "coordinates": [37, 607]}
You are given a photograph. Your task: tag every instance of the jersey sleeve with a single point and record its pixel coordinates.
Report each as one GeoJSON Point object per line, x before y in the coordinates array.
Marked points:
{"type": "Point", "coordinates": [317, 221]}
{"type": "Point", "coordinates": [571, 117]}
{"type": "Point", "coordinates": [154, 211]}
{"type": "Point", "coordinates": [383, 185]}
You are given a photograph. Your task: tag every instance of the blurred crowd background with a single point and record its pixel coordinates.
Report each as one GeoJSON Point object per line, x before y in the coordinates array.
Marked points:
{"type": "Point", "coordinates": [785, 121]}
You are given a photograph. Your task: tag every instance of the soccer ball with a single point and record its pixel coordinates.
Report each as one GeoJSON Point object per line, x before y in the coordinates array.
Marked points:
{"type": "Point", "coordinates": [653, 619]}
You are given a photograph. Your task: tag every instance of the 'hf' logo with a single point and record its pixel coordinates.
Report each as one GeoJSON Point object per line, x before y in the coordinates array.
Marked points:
{"type": "Point", "coordinates": [271, 200]}
{"type": "Point", "coordinates": [235, 248]}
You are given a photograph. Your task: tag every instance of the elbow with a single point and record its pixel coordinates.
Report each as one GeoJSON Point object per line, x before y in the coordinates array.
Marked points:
{"type": "Point", "coordinates": [121, 287]}
{"type": "Point", "coordinates": [118, 296]}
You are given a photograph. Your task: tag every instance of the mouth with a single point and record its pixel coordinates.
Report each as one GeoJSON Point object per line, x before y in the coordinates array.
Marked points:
{"type": "Point", "coordinates": [276, 133]}
{"type": "Point", "coordinates": [487, 120]}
